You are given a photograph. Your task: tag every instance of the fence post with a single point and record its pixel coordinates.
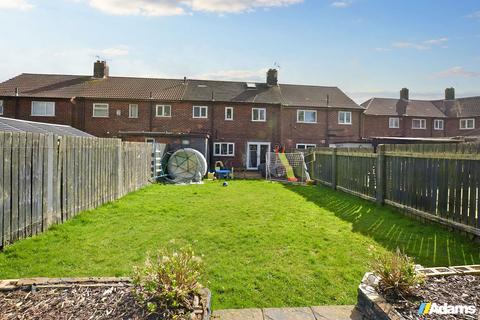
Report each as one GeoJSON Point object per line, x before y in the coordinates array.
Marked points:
{"type": "Point", "coordinates": [120, 168]}
{"type": "Point", "coordinates": [49, 174]}
{"type": "Point", "coordinates": [334, 168]}
{"type": "Point", "coordinates": [381, 185]}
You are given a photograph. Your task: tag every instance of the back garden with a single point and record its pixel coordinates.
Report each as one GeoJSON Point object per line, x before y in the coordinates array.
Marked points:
{"type": "Point", "coordinates": [264, 244]}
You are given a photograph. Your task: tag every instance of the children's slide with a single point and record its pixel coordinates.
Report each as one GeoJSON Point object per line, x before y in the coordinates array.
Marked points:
{"type": "Point", "coordinates": [288, 168]}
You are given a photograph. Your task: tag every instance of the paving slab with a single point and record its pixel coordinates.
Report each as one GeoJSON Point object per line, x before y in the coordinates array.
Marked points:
{"type": "Point", "coordinates": [288, 314]}
{"type": "Point", "coordinates": [336, 313]}
{"type": "Point", "coordinates": [238, 314]}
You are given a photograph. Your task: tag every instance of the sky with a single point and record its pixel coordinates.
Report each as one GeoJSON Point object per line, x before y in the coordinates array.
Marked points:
{"type": "Point", "coordinates": [365, 47]}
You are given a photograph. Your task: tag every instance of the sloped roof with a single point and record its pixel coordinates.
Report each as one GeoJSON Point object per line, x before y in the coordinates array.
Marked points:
{"type": "Point", "coordinates": [399, 107]}
{"type": "Point", "coordinates": [15, 125]}
{"type": "Point", "coordinates": [69, 86]}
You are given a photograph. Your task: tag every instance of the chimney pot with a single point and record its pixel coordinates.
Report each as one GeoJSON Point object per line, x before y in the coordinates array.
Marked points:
{"type": "Point", "coordinates": [450, 94]}
{"type": "Point", "coordinates": [404, 94]}
{"type": "Point", "coordinates": [100, 69]}
{"type": "Point", "coordinates": [272, 77]}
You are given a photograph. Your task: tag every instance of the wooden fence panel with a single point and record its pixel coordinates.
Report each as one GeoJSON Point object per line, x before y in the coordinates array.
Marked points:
{"type": "Point", "coordinates": [437, 182]}
{"type": "Point", "coordinates": [48, 179]}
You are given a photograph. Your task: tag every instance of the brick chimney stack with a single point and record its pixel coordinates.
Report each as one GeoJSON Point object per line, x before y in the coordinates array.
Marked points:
{"type": "Point", "coordinates": [272, 77]}
{"type": "Point", "coordinates": [100, 69]}
{"type": "Point", "coordinates": [404, 94]}
{"type": "Point", "coordinates": [450, 94]}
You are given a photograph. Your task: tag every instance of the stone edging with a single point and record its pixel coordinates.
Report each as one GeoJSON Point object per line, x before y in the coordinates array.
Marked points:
{"type": "Point", "coordinates": [373, 306]}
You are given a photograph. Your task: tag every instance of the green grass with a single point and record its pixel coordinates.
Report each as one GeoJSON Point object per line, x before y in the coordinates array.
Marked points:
{"type": "Point", "coordinates": [264, 244]}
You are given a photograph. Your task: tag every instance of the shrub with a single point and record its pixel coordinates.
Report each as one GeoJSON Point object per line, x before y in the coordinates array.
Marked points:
{"type": "Point", "coordinates": [168, 283]}
{"type": "Point", "coordinates": [396, 272]}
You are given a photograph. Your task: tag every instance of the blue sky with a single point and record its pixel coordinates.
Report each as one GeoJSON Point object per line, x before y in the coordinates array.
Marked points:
{"type": "Point", "coordinates": [365, 47]}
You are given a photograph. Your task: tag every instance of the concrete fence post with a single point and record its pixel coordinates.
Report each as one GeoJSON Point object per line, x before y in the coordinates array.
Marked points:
{"type": "Point", "coordinates": [334, 168]}
{"type": "Point", "coordinates": [381, 173]}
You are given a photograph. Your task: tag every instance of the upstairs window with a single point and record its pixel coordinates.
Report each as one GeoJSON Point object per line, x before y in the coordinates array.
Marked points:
{"type": "Point", "coordinates": [419, 124]}
{"type": "Point", "coordinates": [224, 149]}
{"type": "Point", "coordinates": [133, 111]}
{"type": "Point", "coordinates": [228, 113]}
{"type": "Point", "coordinates": [438, 124]}
{"type": "Point", "coordinates": [467, 124]}
{"type": "Point", "coordinates": [306, 116]}
{"type": "Point", "coordinates": [43, 108]}
{"type": "Point", "coordinates": [305, 146]}
{"type": "Point", "coordinates": [259, 114]}
{"type": "Point", "coordinates": [100, 110]}
{"type": "Point", "coordinates": [344, 117]}
{"type": "Point", "coordinates": [200, 112]}
{"type": "Point", "coordinates": [163, 111]}
{"type": "Point", "coordinates": [394, 123]}
{"type": "Point", "coordinates": [1, 107]}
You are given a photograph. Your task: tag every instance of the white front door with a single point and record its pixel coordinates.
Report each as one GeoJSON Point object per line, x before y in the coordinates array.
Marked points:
{"type": "Point", "coordinates": [257, 154]}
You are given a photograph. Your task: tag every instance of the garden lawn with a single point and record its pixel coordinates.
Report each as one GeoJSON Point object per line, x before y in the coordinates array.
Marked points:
{"type": "Point", "coordinates": [264, 244]}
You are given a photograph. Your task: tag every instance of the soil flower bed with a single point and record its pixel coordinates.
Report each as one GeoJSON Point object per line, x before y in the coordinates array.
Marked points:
{"type": "Point", "coordinates": [454, 290]}
{"type": "Point", "coordinates": [83, 299]}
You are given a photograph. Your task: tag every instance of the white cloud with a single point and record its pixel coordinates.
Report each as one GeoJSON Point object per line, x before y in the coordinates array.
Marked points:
{"type": "Point", "coordinates": [458, 72]}
{"type": "Point", "coordinates": [234, 75]}
{"type": "Point", "coordinates": [179, 7]}
{"type": "Point", "coordinates": [15, 4]}
{"type": "Point", "coordinates": [341, 4]}
{"type": "Point", "coordinates": [115, 51]}
{"type": "Point", "coordinates": [474, 15]}
{"type": "Point", "coordinates": [424, 45]}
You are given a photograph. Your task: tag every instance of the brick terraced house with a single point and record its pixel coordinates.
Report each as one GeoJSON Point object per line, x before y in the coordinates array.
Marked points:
{"type": "Point", "coordinates": [237, 122]}
{"type": "Point", "coordinates": [450, 117]}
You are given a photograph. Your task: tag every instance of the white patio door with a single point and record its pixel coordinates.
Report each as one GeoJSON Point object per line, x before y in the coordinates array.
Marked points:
{"type": "Point", "coordinates": [257, 154]}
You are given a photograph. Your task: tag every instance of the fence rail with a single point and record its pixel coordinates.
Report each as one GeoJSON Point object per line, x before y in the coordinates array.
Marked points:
{"type": "Point", "coordinates": [48, 179]}
{"type": "Point", "coordinates": [437, 182]}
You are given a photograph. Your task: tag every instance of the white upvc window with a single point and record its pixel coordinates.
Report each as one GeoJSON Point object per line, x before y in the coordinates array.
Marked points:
{"type": "Point", "coordinates": [1, 107]}
{"type": "Point", "coordinates": [305, 146]}
{"type": "Point", "coordinates": [100, 110]}
{"type": "Point", "coordinates": [438, 124]}
{"type": "Point", "coordinates": [306, 116]}
{"type": "Point", "coordinates": [200, 112]}
{"type": "Point", "coordinates": [224, 149]}
{"type": "Point", "coordinates": [228, 113]}
{"type": "Point", "coordinates": [43, 108]}
{"type": "Point", "coordinates": [394, 123]}
{"type": "Point", "coordinates": [133, 111]}
{"type": "Point", "coordinates": [259, 114]}
{"type": "Point", "coordinates": [419, 124]}
{"type": "Point", "coordinates": [162, 110]}
{"type": "Point", "coordinates": [344, 117]}
{"type": "Point", "coordinates": [467, 124]}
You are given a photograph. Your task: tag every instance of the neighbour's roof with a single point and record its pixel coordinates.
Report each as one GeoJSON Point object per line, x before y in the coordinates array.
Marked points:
{"type": "Point", "coordinates": [69, 86]}
{"type": "Point", "coordinates": [400, 107]}
{"type": "Point", "coordinates": [15, 125]}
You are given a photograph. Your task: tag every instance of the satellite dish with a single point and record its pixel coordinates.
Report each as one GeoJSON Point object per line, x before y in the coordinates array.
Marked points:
{"type": "Point", "coordinates": [187, 165]}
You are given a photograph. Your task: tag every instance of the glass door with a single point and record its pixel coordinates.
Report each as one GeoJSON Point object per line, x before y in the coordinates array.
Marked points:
{"type": "Point", "coordinates": [257, 154]}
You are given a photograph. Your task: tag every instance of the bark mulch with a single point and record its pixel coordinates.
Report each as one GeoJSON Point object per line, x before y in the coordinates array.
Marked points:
{"type": "Point", "coordinates": [452, 290]}
{"type": "Point", "coordinates": [77, 302]}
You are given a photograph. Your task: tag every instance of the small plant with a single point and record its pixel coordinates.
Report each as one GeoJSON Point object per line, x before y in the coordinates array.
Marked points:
{"type": "Point", "coordinates": [167, 285]}
{"type": "Point", "coordinates": [396, 272]}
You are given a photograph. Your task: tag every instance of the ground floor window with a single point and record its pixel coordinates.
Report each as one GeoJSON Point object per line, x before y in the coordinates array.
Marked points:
{"type": "Point", "coordinates": [466, 124]}
{"type": "Point", "coordinates": [304, 146]}
{"type": "Point", "coordinates": [224, 149]}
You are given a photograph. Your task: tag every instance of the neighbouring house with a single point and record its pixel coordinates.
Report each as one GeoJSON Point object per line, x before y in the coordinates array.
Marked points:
{"type": "Point", "coordinates": [450, 117]}
{"type": "Point", "coordinates": [238, 121]}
